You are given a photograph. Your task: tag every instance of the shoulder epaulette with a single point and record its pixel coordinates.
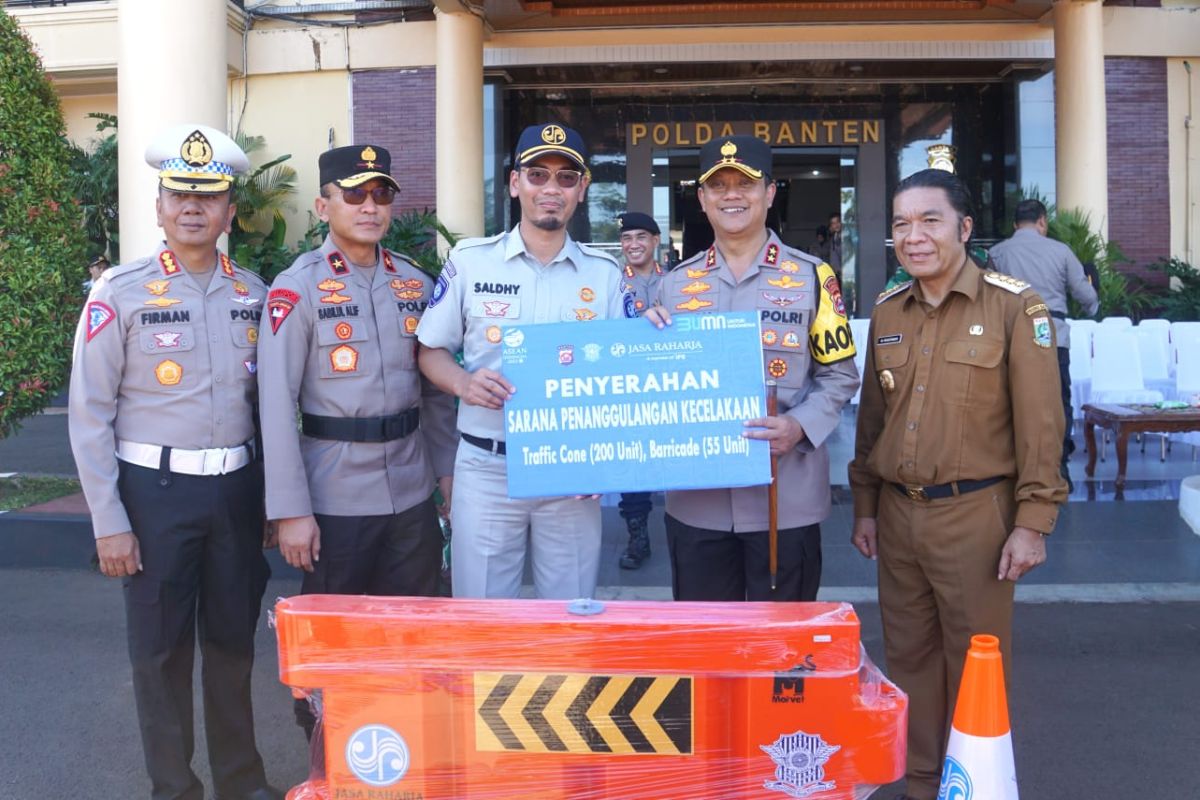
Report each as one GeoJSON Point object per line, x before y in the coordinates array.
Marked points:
{"type": "Point", "coordinates": [403, 259]}
{"type": "Point", "coordinates": [696, 257]}
{"type": "Point", "coordinates": [1006, 282]}
{"type": "Point", "coordinates": [799, 255]}
{"type": "Point", "coordinates": [888, 294]}
{"type": "Point", "coordinates": [119, 270]}
{"type": "Point", "coordinates": [479, 241]}
{"type": "Point", "coordinates": [592, 251]}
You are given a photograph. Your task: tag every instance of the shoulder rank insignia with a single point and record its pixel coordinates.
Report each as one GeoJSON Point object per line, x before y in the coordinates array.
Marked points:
{"type": "Point", "coordinates": [892, 292]}
{"type": "Point", "coordinates": [170, 265]}
{"type": "Point", "coordinates": [1006, 282]}
{"type": "Point", "coordinates": [337, 263]}
{"type": "Point", "coordinates": [226, 265]}
{"type": "Point", "coordinates": [388, 264]}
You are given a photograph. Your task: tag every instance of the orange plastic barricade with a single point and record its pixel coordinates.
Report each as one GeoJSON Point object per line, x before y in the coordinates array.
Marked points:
{"type": "Point", "coordinates": [438, 699]}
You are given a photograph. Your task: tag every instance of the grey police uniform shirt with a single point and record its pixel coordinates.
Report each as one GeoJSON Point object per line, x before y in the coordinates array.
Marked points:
{"type": "Point", "coordinates": [643, 288]}
{"type": "Point", "coordinates": [160, 359]}
{"type": "Point", "coordinates": [339, 341]}
{"type": "Point", "coordinates": [489, 284]}
{"type": "Point", "coordinates": [803, 320]}
{"type": "Point", "coordinates": [1051, 269]}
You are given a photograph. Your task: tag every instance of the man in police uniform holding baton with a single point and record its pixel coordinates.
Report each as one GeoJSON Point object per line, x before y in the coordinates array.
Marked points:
{"type": "Point", "coordinates": [534, 273]}
{"type": "Point", "coordinates": [162, 428]}
{"type": "Point", "coordinates": [719, 538]}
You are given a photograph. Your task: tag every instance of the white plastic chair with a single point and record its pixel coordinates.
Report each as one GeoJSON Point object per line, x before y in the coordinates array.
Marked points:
{"type": "Point", "coordinates": [1154, 346]}
{"type": "Point", "coordinates": [1120, 322]}
{"type": "Point", "coordinates": [1180, 332]}
{"type": "Point", "coordinates": [1081, 367]}
{"type": "Point", "coordinates": [1117, 371]}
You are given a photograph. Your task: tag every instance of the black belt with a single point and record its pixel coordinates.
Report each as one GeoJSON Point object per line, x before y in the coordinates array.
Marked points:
{"type": "Point", "coordinates": [1058, 315]}
{"type": "Point", "coordinates": [491, 445]}
{"type": "Point", "coordinates": [943, 490]}
{"type": "Point", "coordinates": [361, 429]}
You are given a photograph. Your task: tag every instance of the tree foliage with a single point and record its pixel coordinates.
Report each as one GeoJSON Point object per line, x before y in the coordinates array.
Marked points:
{"type": "Point", "coordinates": [42, 243]}
{"type": "Point", "coordinates": [95, 182]}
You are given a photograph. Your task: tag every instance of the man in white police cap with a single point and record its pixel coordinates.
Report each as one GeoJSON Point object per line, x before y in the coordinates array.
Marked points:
{"type": "Point", "coordinates": [162, 420]}
{"type": "Point", "coordinates": [534, 273]}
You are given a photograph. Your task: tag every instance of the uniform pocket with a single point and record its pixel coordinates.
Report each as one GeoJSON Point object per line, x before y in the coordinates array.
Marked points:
{"type": "Point", "coordinates": [170, 358]}
{"type": "Point", "coordinates": [340, 348]}
{"type": "Point", "coordinates": [973, 373]}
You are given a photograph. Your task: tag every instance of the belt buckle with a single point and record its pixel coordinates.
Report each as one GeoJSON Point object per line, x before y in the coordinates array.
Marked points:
{"type": "Point", "coordinates": [214, 461]}
{"type": "Point", "coordinates": [916, 493]}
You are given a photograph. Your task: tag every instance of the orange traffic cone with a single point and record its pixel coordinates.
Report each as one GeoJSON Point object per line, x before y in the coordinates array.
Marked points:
{"type": "Point", "coordinates": [979, 758]}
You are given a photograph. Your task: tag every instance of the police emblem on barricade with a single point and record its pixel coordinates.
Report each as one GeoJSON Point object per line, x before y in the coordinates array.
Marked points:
{"type": "Point", "coordinates": [800, 760]}
{"type": "Point", "coordinates": [377, 755]}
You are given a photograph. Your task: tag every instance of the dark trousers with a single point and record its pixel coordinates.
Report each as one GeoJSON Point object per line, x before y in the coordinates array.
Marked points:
{"type": "Point", "coordinates": [634, 505]}
{"type": "Point", "coordinates": [1064, 375]}
{"type": "Point", "coordinates": [204, 573]}
{"type": "Point", "coordinates": [385, 555]}
{"type": "Point", "coordinates": [729, 566]}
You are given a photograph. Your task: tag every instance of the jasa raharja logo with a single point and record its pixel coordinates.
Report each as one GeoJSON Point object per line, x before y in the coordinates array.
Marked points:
{"type": "Point", "coordinates": [788, 687]}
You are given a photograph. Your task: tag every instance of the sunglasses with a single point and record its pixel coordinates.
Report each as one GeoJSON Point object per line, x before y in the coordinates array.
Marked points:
{"type": "Point", "coordinates": [357, 195]}
{"type": "Point", "coordinates": [565, 178]}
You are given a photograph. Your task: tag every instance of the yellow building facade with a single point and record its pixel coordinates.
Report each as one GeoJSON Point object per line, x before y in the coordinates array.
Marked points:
{"type": "Point", "coordinates": [1091, 103]}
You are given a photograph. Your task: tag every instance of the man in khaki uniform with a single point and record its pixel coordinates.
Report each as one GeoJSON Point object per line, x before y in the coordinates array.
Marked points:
{"type": "Point", "coordinates": [532, 274]}
{"type": "Point", "coordinates": [162, 428]}
{"type": "Point", "coordinates": [955, 474]}
{"type": "Point", "coordinates": [352, 488]}
{"type": "Point", "coordinates": [718, 538]}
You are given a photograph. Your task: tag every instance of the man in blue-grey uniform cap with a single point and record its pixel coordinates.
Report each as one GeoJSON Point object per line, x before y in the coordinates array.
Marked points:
{"type": "Point", "coordinates": [535, 273]}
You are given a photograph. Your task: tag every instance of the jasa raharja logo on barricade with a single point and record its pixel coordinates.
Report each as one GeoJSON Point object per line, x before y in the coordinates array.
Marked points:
{"type": "Point", "coordinates": [379, 757]}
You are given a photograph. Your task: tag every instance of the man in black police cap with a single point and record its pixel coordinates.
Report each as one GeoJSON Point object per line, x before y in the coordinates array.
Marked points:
{"type": "Point", "coordinates": [718, 539]}
{"type": "Point", "coordinates": [640, 237]}
{"type": "Point", "coordinates": [352, 489]}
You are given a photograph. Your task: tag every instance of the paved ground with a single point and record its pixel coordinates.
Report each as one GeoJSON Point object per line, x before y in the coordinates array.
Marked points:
{"type": "Point", "coordinates": [1103, 704]}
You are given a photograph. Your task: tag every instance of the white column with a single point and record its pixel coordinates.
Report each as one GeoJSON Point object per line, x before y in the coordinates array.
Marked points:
{"type": "Point", "coordinates": [1081, 133]}
{"type": "Point", "coordinates": [171, 68]}
{"type": "Point", "coordinates": [460, 122]}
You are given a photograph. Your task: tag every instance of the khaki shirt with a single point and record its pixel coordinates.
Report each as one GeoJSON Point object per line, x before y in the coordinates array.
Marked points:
{"type": "Point", "coordinates": [160, 360]}
{"type": "Point", "coordinates": [494, 282]}
{"type": "Point", "coordinates": [643, 288]}
{"type": "Point", "coordinates": [340, 341]}
{"type": "Point", "coordinates": [965, 391]}
{"type": "Point", "coordinates": [1052, 270]}
{"type": "Point", "coordinates": [807, 350]}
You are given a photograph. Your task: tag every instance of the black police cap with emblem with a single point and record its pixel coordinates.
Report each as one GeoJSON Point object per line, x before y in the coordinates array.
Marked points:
{"type": "Point", "coordinates": [749, 155]}
{"type": "Point", "coordinates": [196, 159]}
{"type": "Point", "coordinates": [637, 221]}
{"type": "Point", "coordinates": [356, 164]}
{"type": "Point", "coordinates": [550, 139]}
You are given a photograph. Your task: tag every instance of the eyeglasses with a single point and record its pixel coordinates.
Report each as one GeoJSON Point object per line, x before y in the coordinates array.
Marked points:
{"type": "Point", "coordinates": [357, 195]}
{"type": "Point", "coordinates": [565, 178]}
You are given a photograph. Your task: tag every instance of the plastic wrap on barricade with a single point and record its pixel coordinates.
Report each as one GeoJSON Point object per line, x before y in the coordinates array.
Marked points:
{"type": "Point", "coordinates": [444, 699]}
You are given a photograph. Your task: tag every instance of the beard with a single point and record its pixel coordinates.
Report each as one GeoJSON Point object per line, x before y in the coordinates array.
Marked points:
{"type": "Point", "coordinates": [549, 223]}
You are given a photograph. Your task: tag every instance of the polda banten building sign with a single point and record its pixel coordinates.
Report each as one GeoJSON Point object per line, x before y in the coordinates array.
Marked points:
{"type": "Point", "coordinates": [777, 133]}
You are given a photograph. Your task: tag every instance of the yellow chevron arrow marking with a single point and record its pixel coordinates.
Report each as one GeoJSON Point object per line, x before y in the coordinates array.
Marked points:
{"type": "Point", "coordinates": [643, 715]}
{"type": "Point", "coordinates": [556, 713]}
{"type": "Point", "coordinates": [511, 713]}
{"type": "Point", "coordinates": [600, 714]}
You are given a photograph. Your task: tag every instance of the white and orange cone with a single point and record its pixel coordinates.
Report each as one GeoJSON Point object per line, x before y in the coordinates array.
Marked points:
{"type": "Point", "coordinates": [979, 758]}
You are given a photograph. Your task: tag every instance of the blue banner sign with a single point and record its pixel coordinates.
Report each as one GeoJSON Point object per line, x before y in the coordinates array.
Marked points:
{"type": "Point", "coordinates": [620, 406]}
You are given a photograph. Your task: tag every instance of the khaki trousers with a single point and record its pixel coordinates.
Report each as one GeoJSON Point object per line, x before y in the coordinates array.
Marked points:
{"type": "Point", "coordinates": [937, 587]}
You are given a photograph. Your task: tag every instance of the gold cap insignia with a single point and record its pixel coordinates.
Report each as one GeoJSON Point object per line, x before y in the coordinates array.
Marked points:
{"type": "Point", "coordinates": [729, 149]}
{"type": "Point", "coordinates": [196, 150]}
{"type": "Point", "coordinates": [553, 134]}
{"type": "Point", "coordinates": [368, 153]}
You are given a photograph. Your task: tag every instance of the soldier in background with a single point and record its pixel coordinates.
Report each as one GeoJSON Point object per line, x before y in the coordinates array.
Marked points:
{"type": "Point", "coordinates": [352, 487]}
{"type": "Point", "coordinates": [162, 427]}
{"type": "Point", "coordinates": [640, 237]}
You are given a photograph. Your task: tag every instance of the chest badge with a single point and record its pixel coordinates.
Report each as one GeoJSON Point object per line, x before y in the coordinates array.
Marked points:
{"type": "Point", "coordinates": [168, 373]}
{"type": "Point", "coordinates": [976, 330]}
{"type": "Point", "coordinates": [584, 314]}
{"type": "Point", "coordinates": [343, 358]}
{"type": "Point", "coordinates": [887, 381]}
{"type": "Point", "coordinates": [696, 287]}
{"type": "Point", "coordinates": [777, 368]}
{"type": "Point", "coordinates": [343, 330]}
{"type": "Point", "coordinates": [410, 325]}
{"type": "Point", "coordinates": [693, 304]}
{"type": "Point", "coordinates": [493, 334]}
{"type": "Point", "coordinates": [495, 308]}
{"type": "Point", "coordinates": [587, 295]}
{"type": "Point", "coordinates": [790, 266]}
{"type": "Point", "coordinates": [786, 282]}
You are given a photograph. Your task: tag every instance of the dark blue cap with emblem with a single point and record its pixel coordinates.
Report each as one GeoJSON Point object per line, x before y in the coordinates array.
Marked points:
{"type": "Point", "coordinates": [749, 155]}
{"type": "Point", "coordinates": [356, 164]}
{"type": "Point", "coordinates": [637, 221]}
{"type": "Point", "coordinates": [550, 139]}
